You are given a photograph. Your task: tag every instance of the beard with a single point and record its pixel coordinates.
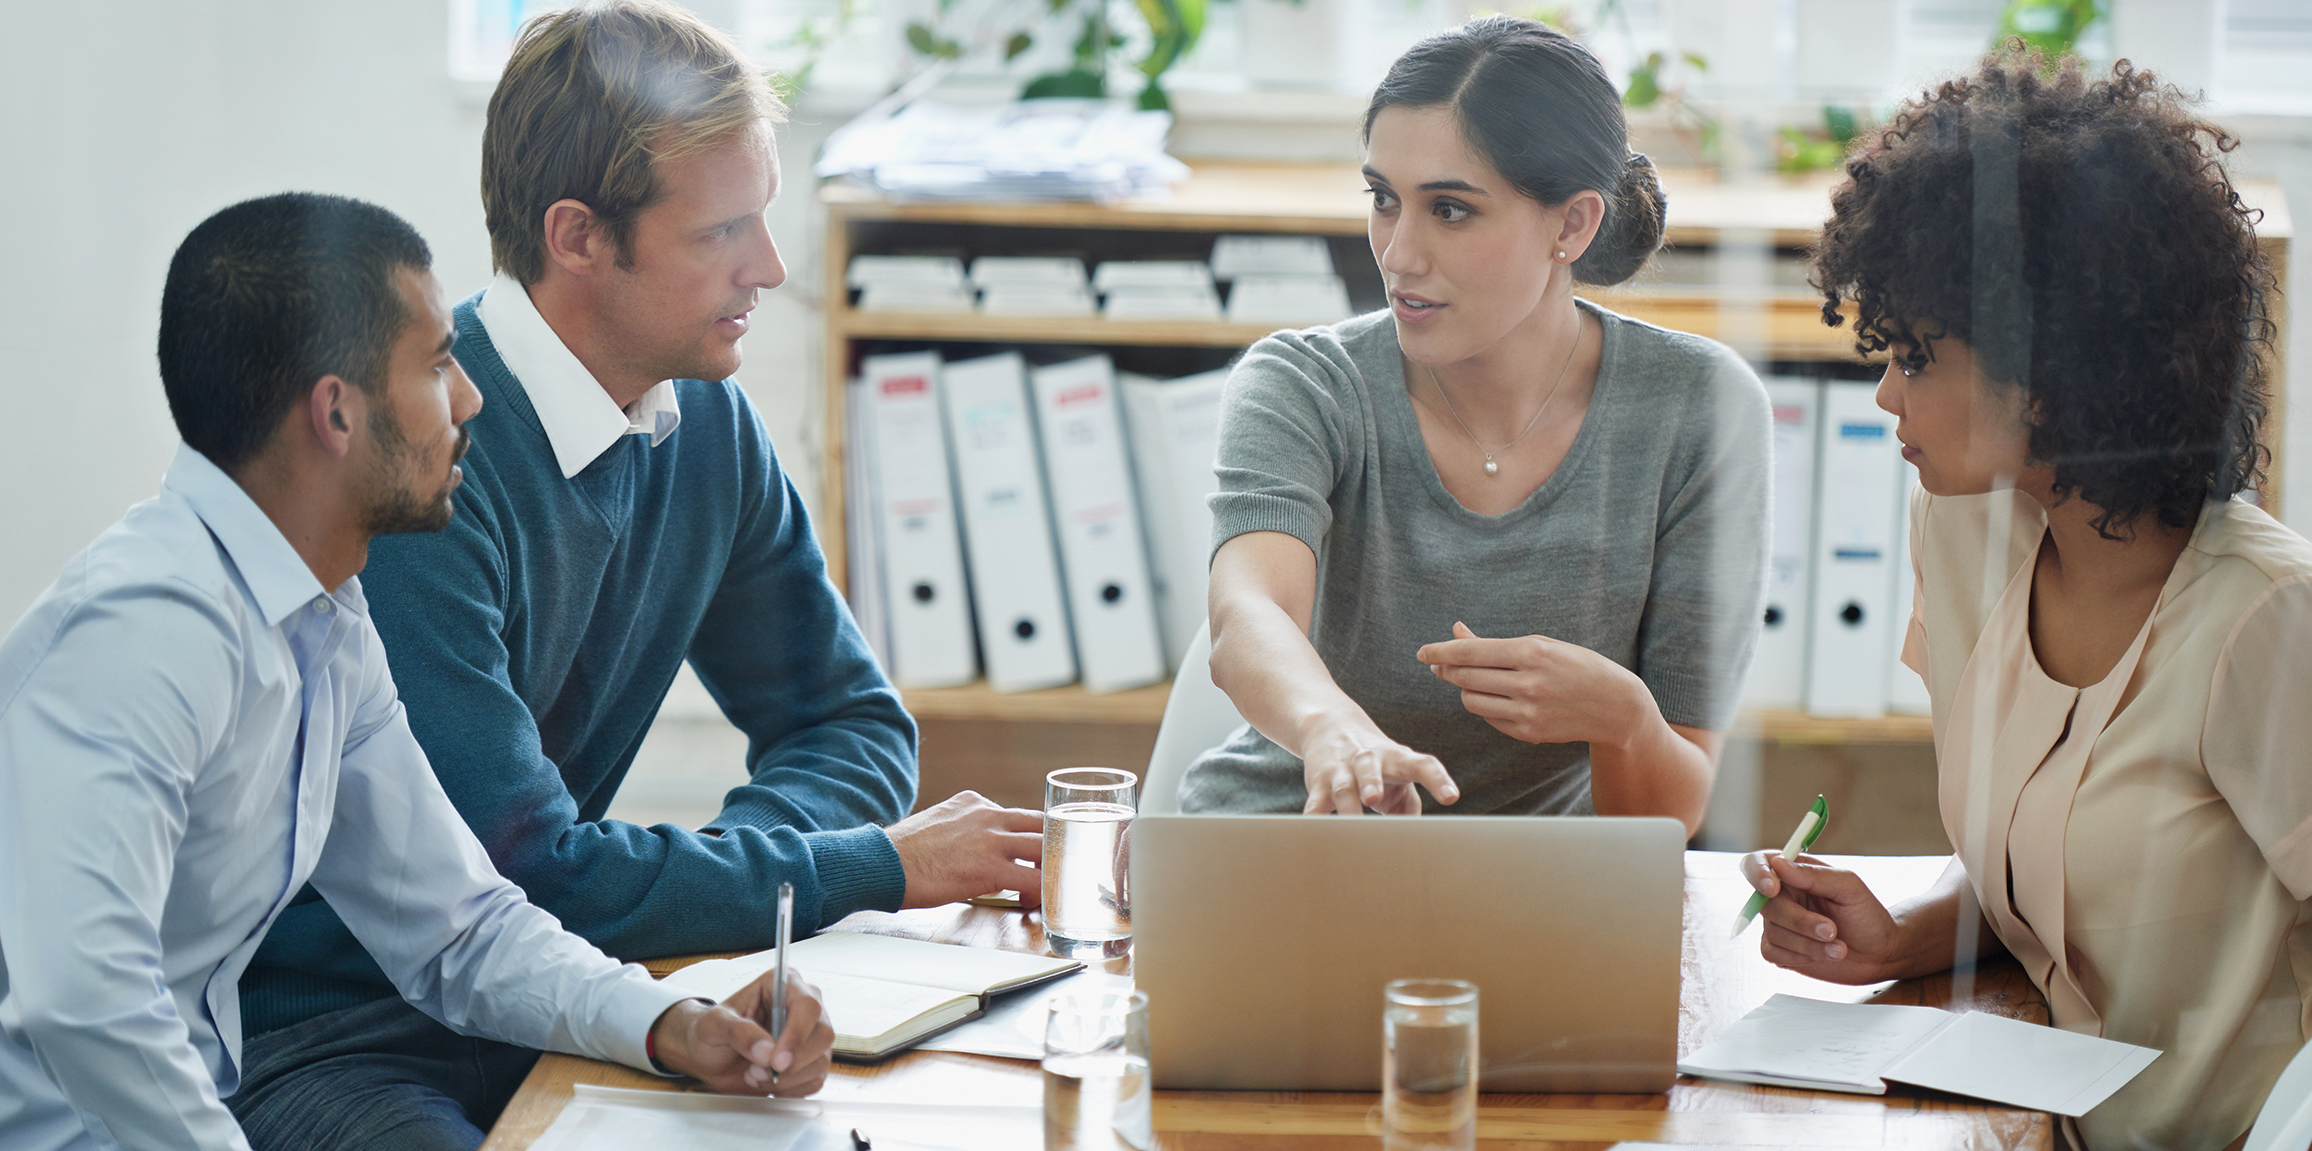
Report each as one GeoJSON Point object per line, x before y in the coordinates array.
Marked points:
{"type": "Point", "coordinates": [391, 506]}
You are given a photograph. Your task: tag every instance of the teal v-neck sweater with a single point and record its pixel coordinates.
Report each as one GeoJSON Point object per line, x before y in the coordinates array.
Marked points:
{"type": "Point", "coordinates": [532, 643]}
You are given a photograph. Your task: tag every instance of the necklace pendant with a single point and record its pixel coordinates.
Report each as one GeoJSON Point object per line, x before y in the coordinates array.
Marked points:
{"type": "Point", "coordinates": [1491, 468]}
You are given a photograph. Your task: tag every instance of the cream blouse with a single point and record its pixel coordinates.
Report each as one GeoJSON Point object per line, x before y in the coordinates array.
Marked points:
{"type": "Point", "coordinates": [2142, 845]}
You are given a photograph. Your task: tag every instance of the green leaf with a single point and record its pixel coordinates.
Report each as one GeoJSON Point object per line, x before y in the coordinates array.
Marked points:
{"type": "Point", "coordinates": [919, 37]}
{"type": "Point", "coordinates": [1168, 22]}
{"type": "Point", "coordinates": [1192, 14]}
{"type": "Point", "coordinates": [2051, 26]}
{"type": "Point", "coordinates": [1697, 61]}
{"type": "Point", "coordinates": [1088, 43]}
{"type": "Point", "coordinates": [1153, 99]}
{"type": "Point", "coordinates": [1645, 83]}
{"type": "Point", "coordinates": [1076, 82]}
{"type": "Point", "coordinates": [1019, 42]}
{"type": "Point", "coordinates": [1840, 122]}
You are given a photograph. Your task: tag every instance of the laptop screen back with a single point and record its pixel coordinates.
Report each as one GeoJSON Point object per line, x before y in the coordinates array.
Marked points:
{"type": "Point", "coordinates": [1264, 942]}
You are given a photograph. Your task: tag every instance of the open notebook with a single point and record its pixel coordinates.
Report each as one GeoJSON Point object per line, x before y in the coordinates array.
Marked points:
{"type": "Point", "coordinates": [884, 994]}
{"type": "Point", "coordinates": [1861, 1047]}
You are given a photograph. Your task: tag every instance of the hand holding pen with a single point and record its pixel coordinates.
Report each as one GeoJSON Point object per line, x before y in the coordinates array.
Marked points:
{"type": "Point", "coordinates": [1820, 920]}
{"type": "Point", "coordinates": [1810, 828]}
{"type": "Point", "coordinates": [786, 1016]}
{"type": "Point", "coordinates": [732, 1047]}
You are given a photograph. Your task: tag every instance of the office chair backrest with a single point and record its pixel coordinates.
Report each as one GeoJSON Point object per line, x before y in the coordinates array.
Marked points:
{"type": "Point", "coordinates": [2285, 1123]}
{"type": "Point", "coordinates": [1197, 716]}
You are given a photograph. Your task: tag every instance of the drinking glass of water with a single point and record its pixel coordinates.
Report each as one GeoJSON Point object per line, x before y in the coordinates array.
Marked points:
{"type": "Point", "coordinates": [1429, 1065]}
{"type": "Point", "coordinates": [1096, 1090]}
{"type": "Point", "coordinates": [1087, 861]}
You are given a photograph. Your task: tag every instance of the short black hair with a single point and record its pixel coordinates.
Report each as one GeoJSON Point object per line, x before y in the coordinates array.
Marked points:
{"type": "Point", "coordinates": [2081, 236]}
{"type": "Point", "coordinates": [1539, 108]}
{"type": "Point", "coordinates": [268, 296]}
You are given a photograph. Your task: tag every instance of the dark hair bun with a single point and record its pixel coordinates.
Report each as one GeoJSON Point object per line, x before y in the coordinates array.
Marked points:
{"type": "Point", "coordinates": [1633, 227]}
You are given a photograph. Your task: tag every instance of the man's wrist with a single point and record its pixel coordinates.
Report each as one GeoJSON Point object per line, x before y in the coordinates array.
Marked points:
{"type": "Point", "coordinates": [678, 1014]}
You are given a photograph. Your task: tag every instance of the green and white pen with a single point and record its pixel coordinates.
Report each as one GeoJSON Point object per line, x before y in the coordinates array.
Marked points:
{"type": "Point", "coordinates": [1809, 829]}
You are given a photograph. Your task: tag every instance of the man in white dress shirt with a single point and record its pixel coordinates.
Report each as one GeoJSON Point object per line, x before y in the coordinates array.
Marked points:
{"type": "Point", "coordinates": [197, 719]}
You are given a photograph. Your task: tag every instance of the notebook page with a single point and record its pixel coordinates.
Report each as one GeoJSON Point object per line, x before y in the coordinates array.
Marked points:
{"type": "Point", "coordinates": [864, 1009]}
{"type": "Point", "coordinates": [972, 970]}
{"type": "Point", "coordinates": [873, 1009]}
{"type": "Point", "coordinates": [968, 969]}
{"type": "Point", "coordinates": [1836, 1046]}
{"type": "Point", "coordinates": [2022, 1064]}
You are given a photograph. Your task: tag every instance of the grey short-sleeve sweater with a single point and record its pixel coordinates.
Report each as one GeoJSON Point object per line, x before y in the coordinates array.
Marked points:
{"type": "Point", "coordinates": [1648, 546]}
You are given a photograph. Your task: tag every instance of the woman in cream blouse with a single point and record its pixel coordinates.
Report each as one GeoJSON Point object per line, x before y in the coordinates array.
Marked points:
{"type": "Point", "coordinates": [2118, 646]}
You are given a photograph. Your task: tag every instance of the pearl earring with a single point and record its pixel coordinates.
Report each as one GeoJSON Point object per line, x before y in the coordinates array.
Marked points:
{"type": "Point", "coordinates": [1561, 253]}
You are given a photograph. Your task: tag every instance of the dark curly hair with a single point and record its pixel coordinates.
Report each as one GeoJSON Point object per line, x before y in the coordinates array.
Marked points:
{"type": "Point", "coordinates": [2083, 239]}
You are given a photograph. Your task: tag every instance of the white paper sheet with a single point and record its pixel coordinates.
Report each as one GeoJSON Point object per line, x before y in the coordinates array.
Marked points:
{"type": "Point", "coordinates": [2022, 1064]}
{"type": "Point", "coordinates": [1840, 1046]}
{"type": "Point", "coordinates": [1858, 1047]}
{"type": "Point", "coordinates": [620, 1119]}
{"type": "Point", "coordinates": [1014, 1027]}
{"type": "Point", "coordinates": [607, 1117]}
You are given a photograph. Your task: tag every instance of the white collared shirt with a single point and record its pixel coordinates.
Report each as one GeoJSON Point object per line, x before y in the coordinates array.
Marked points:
{"type": "Point", "coordinates": [580, 419]}
{"type": "Point", "coordinates": [191, 728]}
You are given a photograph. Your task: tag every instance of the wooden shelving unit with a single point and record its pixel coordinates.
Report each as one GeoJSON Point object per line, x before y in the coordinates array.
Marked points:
{"type": "Point", "coordinates": [1072, 704]}
{"type": "Point", "coordinates": [1326, 200]}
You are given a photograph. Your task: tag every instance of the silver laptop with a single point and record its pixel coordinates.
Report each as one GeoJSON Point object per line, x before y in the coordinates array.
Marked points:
{"type": "Point", "coordinates": [1263, 943]}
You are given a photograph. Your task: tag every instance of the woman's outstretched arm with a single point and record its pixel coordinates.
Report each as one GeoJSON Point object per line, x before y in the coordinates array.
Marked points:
{"type": "Point", "coordinates": [1263, 593]}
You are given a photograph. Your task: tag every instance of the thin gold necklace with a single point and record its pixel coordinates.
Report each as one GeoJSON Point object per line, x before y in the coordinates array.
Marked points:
{"type": "Point", "coordinates": [1492, 468]}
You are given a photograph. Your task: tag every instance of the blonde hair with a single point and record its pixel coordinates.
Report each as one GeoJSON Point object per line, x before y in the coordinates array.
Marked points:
{"type": "Point", "coordinates": [593, 99]}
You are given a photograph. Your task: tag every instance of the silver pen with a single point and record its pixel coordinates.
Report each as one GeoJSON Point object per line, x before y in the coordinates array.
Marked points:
{"type": "Point", "coordinates": [786, 930]}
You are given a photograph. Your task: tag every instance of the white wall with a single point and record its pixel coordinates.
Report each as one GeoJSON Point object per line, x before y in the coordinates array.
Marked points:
{"type": "Point", "coordinates": [124, 124]}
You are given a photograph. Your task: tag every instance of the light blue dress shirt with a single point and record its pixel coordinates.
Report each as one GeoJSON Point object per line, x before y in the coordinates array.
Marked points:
{"type": "Point", "coordinates": [190, 730]}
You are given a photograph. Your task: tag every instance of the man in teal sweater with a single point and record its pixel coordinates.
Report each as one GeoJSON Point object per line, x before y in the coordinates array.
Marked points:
{"type": "Point", "coordinates": [619, 515]}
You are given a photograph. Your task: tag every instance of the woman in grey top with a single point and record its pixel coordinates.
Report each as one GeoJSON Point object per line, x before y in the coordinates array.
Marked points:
{"type": "Point", "coordinates": [1496, 544]}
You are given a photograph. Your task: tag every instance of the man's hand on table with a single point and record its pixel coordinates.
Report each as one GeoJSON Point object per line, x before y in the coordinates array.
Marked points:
{"type": "Point", "coordinates": [967, 845]}
{"type": "Point", "coordinates": [727, 1045]}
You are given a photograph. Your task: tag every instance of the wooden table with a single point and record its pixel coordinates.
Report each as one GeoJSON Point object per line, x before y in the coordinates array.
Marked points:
{"type": "Point", "coordinates": [1722, 980]}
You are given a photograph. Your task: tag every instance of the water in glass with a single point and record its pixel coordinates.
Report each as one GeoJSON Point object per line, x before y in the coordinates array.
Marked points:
{"type": "Point", "coordinates": [1429, 1072]}
{"type": "Point", "coordinates": [1096, 1102]}
{"type": "Point", "coordinates": [1087, 896]}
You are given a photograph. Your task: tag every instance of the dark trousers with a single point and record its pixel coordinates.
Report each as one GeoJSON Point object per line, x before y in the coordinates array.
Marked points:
{"type": "Point", "coordinates": [382, 1077]}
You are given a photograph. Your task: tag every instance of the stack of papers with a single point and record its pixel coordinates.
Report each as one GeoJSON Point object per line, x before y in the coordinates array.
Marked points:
{"type": "Point", "coordinates": [909, 284]}
{"type": "Point", "coordinates": [1288, 300]}
{"type": "Point", "coordinates": [1157, 290]}
{"type": "Point", "coordinates": [1032, 286]}
{"type": "Point", "coordinates": [1234, 256]}
{"type": "Point", "coordinates": [1280, 280]}
{"type": "Point", "coordinates": [1029, 150]}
